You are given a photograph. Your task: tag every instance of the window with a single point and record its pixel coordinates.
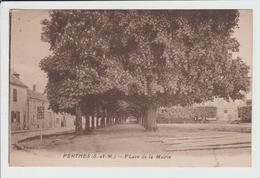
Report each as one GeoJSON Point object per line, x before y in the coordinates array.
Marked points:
{"type": "Point", "coordinates": [15, 95]}
{"type": "Point", "coordinates": [18, 116]}
{"type": "Point", "coordinates": [33, 119]}
{"type": "Point", "coordinates": [24, 121]}
{"type": "Point", "coordinates": [15, 116]}
{"type": "Point", "coordinates": [225, 111]}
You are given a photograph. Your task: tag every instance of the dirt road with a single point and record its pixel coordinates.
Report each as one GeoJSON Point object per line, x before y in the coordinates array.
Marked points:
{"type": "Point", "coordinates": [186, 144]}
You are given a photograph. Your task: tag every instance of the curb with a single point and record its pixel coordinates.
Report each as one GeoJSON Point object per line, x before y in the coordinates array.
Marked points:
{"type": "Point", "coordinates": [17, 145]}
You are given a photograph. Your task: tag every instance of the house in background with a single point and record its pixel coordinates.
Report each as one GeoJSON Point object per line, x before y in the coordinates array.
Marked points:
{"type": "Point", "coordinates": [227, 111]}
{"type": "Point", "coordinates": [62, 120]}
{"type": "Point", "coordinates": [18, 111]}
{"type": "Point", "coordinates": [36, 101]}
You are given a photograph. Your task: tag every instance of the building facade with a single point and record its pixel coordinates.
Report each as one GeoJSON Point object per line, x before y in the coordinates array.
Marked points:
{"type": "Point", "coordinates": [227, 111]}
{"type": "Point", "coordinates": [29, 109]}
{"type": "Point", "coordinates": [18, 112]}
{"type": "Point", "coordinates": [36, 102]}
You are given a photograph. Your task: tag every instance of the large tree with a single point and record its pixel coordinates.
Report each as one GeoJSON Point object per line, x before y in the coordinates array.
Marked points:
{"type": "Point", "coordinates": [153, 57]}
{"type": "Point", "coordinates": [78, 69]}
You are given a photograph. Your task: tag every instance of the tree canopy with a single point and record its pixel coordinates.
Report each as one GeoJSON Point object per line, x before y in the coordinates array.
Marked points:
{"type": "Point", "coordinates": [148, 57]}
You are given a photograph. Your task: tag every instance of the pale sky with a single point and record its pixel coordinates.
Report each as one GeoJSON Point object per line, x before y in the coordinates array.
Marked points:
{"type": "Point", "coordinates": [27, 48]}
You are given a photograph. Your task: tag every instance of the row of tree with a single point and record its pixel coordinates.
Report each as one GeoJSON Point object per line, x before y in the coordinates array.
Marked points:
{"type": "Point", "coordinates": [143, 58]}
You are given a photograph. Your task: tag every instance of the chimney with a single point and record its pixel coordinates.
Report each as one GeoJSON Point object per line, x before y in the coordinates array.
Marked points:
{"type": "Point", "coordinates": [17, 75]}
{"type": "Point", "coordinates": [34, 87]}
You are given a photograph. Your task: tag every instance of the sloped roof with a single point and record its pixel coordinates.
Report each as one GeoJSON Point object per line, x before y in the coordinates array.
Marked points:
{"type": "Point", "coordinates": [12, 71]}
{"type": "Point", "coordinates": [16, 81]}
{"type": "Point", "coordinates": [36, 95]}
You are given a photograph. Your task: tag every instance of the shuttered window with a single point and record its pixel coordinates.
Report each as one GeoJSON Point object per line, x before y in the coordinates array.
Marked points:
{"type": "Point", "coordinates": [15, 116]}
{"type": "Point", "coordinates": [15, 95]}
{"type": "Point", "coordinates": [18, 116]}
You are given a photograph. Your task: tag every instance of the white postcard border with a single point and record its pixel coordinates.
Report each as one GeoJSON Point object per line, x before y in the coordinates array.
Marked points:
{"type": "Point", "coordinates": [68, 172]}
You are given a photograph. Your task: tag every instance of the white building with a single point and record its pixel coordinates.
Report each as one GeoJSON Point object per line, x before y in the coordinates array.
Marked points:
{"type": "Point", "coordinates": [18, 111]}
{"type": "Point", "coordinates": [24, 108]}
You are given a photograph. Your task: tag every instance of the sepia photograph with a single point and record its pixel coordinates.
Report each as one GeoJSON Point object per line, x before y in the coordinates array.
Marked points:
{"type": "Point", "coordinates": [135, 87]}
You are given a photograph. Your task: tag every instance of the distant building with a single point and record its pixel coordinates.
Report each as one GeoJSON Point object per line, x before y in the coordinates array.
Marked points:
{"type": "Point", "coordinates": [227, 111]}
{"type": "Point", "coordinates": [18, 103]}
{"type": "Point", "coordinates": [37, 100]}
{"type": "Point", "coordinates": [51, 119]}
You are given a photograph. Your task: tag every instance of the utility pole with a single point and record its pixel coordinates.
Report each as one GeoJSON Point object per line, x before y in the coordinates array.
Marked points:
{"type": "Point", "coordinates": [40, 116]}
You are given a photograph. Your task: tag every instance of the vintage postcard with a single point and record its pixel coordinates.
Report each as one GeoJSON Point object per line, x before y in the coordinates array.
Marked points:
{"type": "Point", "coordinates": [130, 87]}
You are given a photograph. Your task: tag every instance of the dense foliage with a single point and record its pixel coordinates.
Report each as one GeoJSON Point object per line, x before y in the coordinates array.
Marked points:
{"type": "Point", "coordinates": [245, 113]}
{"type": "Point", "coordinates": [186, 114]}
{"type": "Point", "coordinates": [147, 57]}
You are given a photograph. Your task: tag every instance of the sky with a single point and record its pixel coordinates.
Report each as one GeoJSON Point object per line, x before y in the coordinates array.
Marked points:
{"type": "Point", "coordinates": [27, 49]}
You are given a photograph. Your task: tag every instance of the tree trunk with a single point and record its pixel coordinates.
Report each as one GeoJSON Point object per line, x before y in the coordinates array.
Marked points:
{"type": "Point", "coordinates": [150, 118]}
{"type": "Point", "coordinates": [102, 122]}
{"type": "Point", "coordinates": [98, 120]}
{"type": "Point", "coordinates": [94, 118]}
{"type": "Point", "coordinates": [140, 120]}
{"type": "Point", "coordinates": [90, 122]}
{"type": "Point", "coordinates": [78, 127]}
{"type": "Point", "coordinates": [145, 122]}
{"type": "Point", "coordinates": [107, 122]}
{"type": "Point", "coordinates": [108, 118]}
{"type": "Point", "coordinates": [87, 127]}
{"type": "Point", "coordinates": [93, 121]}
